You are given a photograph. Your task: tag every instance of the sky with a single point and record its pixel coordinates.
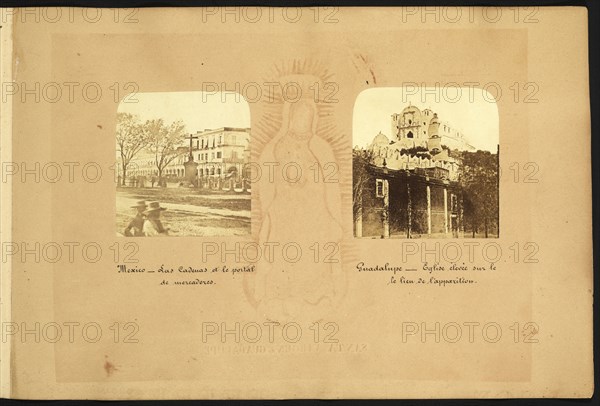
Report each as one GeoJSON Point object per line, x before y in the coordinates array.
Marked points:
{"type": "Point", "coordinates": [198, 110]}
{"type": "Point", "coordinates": [468, 110]}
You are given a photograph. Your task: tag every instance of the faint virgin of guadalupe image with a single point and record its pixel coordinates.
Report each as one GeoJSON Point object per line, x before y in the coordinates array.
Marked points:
{"type": "Point", "coordinates": [423, 166]}
{"type": "Point", "coordinates": [183, 165]}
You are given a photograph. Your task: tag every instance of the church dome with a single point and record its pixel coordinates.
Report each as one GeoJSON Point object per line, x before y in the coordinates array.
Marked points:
{"type": "Point", "coordinates": [380, 139]}
{"type": "Point", "coordinates": [411, 109]}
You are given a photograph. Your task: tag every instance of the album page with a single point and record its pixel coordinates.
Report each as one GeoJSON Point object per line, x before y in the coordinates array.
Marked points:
{"type": "Point", "coordinates": [320, 202]}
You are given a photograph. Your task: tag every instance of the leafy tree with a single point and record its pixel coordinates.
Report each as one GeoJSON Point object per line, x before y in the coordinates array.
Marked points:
{"type": "Point", "coordinates": [479, 180]}
{"type": "Point", "coordinates": [361, 159]}
{"type": "Point", "coordinates": [164, 142]}
{"type": "Point", "coordinates": [130, 140]}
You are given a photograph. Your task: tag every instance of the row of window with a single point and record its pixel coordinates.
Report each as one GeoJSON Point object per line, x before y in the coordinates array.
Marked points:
{"type": "Point", "coordinates": [201, 157]}
{"type": "Point", "coordinates": [213, 141]}
{"type": "Point", "coordinates": [204, 156]}
{"type": "Point", "coordinates": [176, 172]}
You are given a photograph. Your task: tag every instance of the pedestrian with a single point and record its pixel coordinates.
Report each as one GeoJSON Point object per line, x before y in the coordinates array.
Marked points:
{"type": "Point", "coordinates": [153, 227]}
{"type": "Point", "coordinates": [136, 225]}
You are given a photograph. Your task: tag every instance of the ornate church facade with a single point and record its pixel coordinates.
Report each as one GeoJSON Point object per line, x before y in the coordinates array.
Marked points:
{"type": "Point", "coordinates": [407, 185]}
{"type": "Point", "coordinates": [414, 127]}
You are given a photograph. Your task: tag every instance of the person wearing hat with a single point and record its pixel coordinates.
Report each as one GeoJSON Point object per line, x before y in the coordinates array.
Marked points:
{"type": "Point", "coordinates": [136, 225]}
{"type": "Point", "coordinates": [153, 227]}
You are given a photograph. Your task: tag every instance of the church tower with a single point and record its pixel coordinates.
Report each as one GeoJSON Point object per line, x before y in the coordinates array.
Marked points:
{"type": "Point", "coordinates": [435, 142]}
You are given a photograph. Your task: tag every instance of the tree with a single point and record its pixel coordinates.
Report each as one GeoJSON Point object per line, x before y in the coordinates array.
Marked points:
{"type": "Point", "coordinates": [361, 159]}
{"type": "Point", "coordinates": [130, 140]}
{"type": "Point", "coordinates": [164, 142]}
{"type": "Point", "coordinates": [479, 180]}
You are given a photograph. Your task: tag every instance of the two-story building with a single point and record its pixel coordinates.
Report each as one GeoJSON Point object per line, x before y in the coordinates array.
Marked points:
{"type": "Point", "coordinates": [218, 153]}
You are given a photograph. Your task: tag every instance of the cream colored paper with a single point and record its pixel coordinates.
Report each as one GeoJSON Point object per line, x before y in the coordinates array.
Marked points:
{"type": "Point", "coordinates": [521, 328]}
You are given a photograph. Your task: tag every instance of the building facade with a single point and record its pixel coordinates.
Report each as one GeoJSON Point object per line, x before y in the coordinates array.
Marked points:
{"type": "Point", "coordinates": [222, 151]}
{"type": "Point", "coordinates": [414, 127]}
{"type": "Point", "coordinates": [407, 185]}
{"type": "Point", "coordinates": [218, 153]}
{"type": "Point", "coordinates": [408, 203]}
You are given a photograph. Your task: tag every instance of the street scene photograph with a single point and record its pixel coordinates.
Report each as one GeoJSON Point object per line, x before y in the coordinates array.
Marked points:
{"type": "Point", "coordinates": [425, 165]}
{"type": "Point", "coordinates": [183, 165]}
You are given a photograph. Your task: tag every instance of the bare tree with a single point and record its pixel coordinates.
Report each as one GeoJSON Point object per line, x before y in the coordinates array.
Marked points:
{"type": "Point", "coordinates": [130, 140]}
{"type": "Point", "coordinates": [164, 142]}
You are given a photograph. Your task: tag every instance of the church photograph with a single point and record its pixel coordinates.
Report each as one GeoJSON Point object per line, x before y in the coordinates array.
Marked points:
{"type": "Point", "coordinates": [424, 167]}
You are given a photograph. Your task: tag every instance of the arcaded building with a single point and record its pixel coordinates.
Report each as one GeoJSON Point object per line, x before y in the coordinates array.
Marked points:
{"type": "Point", "coordinates": [420, 202]}
{"type": "Point", "coordinates": [222, 150]}
{"type": "Point", "coordinates": [217, 152]}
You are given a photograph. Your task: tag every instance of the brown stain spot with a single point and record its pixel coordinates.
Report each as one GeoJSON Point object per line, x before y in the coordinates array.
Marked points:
{"type": "Point", "coordinates": [109, 367]}
{"type": "Point", "coordinates": [99, 126]}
